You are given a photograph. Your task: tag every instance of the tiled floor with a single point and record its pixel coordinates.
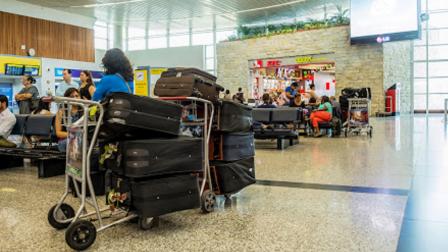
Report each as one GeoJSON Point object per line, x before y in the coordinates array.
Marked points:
{"type": "Point", "coordinates": [276, 218]}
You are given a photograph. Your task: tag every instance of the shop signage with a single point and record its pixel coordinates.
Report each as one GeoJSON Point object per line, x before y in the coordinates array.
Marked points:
{"type": "Point", "coordinates": [158, 71]}
{"type": "Point", "coordinates": [309, 59]}
{"type": "Point", "coordinates": [17, 60]}
{"type": "Point", "coordinates": [141, 82]}
{"type": "Point", "coordinates": [273, 63]}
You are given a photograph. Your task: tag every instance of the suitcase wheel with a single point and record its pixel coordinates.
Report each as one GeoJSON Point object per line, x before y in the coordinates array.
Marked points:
{"type": "Point", "coordinates": [208, 201]}
{"type": "Point", "coordinates": [146, 223]}
{"type": "Point", "coordinates": [80, 235]}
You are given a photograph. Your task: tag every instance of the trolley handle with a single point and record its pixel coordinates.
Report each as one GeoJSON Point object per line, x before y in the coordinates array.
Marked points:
{"type": "Point", "coordinates": [184, 98]}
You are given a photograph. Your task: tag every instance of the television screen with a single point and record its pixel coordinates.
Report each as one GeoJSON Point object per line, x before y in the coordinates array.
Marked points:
{"type": "Point", "coordinates": [377, 21]}
{"type": "Point", "coordinates": [32, 70]}
{"type": "Point", "coordinates": [13, 69]}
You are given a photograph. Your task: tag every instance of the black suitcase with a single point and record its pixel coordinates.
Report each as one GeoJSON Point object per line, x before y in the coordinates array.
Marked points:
{"type": "Point", "coordinates": [181, 71]}
{"type": "Point", "coordinates": [190, 85]}
{"type": "Point", "coordinates": [155, 197]}
{"type": "Point", "coordinates": [233, 176]}
{"type": "Point", "coordinates": [99, 184]}
{"type": "Point", "coordinates": [234, 117]}
{"type": "Point", "coordinates": [131, 115]}
{"type": "Point", "coordinates": [237, 146]}
{"type": "Point", "coordinates": [152, 157]}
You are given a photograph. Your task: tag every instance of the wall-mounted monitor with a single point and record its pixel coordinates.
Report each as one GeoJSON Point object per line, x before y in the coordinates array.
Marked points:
{"type": "Point", "coordinates": [378, 21]}
{"type": "Point", "coordinates": [31, 70]}
{"type": "Point", "coordinates": [14, 69]}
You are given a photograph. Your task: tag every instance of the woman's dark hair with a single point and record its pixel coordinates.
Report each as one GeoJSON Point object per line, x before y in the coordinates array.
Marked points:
{"type": "Point", "coordinates": [266, 98]}
{"type": "Point", "coordinates": [30, 79]}
{"type": "Point", "coordinates": [325, 99]}
{"type": "Point", "coordinates": [312, 100]}
{"type": "Point", "coordinates": [41, 106]}
{"type": "Point", "coordinates": [69, 91]}
{"type": "Point", "coordinates": [227, 91]}
{"type": "Point", "coordinates": [114, 61]}
{"type": "Point", "coordinates": [295, 84]}
{"type": "Point", "coordinates": [89, 77]}
{"type": "Point", "coordinates": [312, 86]}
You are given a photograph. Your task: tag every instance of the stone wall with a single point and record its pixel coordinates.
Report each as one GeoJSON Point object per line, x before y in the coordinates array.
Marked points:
{"type": "Point", "coordinates": [356, 66]}
{"type": "Point", "coordinates": [398, 68]}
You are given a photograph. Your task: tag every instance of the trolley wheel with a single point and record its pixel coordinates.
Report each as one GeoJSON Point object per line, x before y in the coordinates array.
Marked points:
{"type": "Point", "coordinates": [146, 223]}
{"type": "Point", "coordinates": [370, 131]}
{"type": "Point", "coordinates": [65, 212]}
{"type": "Point", "coordinates": [80, 235]}
{"type": "Point", "coordinates": [208, 201]}
{"type": "Point", "coordinates": [346, 132]}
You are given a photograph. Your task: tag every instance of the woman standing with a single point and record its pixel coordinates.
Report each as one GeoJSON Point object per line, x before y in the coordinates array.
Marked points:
{"type": "Point", "coordinates": [119, 75]}
{"type": "Point", "coordinates": [28, 95]}
{"type": "Point", "coordinates": [87, 88]}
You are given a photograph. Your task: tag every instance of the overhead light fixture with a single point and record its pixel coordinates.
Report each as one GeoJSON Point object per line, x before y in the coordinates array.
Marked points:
{"type": "Point", "coordinates": [106, 4]}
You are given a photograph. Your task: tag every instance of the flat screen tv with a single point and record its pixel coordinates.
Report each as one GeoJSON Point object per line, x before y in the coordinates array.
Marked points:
{"type": "Point", "coordinates": [13, 69]}
{"type": "Point", "coordinates": [31, 70]}
{"type": "Point", "coordinates": [378, 21]}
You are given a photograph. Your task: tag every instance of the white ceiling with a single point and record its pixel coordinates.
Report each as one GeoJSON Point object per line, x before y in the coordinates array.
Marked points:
{"type": "Point", "coordinates": [201, 13]}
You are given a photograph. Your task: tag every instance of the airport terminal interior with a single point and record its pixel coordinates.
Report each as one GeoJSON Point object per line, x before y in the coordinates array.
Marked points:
{"type": "Point", "coordinates": [232, 125]}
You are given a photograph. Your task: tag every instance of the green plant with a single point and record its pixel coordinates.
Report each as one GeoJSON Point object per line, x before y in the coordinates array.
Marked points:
{"type": "Point", "coordinates": [248, 32]}
{"type": "Point", "coordinates": [341, 16]}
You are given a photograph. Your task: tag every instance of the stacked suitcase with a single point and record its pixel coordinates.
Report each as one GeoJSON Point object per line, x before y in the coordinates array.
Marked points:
{"type": "Point", "coordinates": [232, 148]}
{"type": "Point", "coordinates": [152, 169]}
{"type": "Point", "coordinates": [188, 82]}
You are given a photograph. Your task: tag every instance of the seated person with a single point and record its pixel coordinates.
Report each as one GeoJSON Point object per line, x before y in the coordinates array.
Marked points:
{"type": "Point", "coordinates": [7, 122]}
{"type": "Point", "coordinates": [43, 108]}
{"type": "Point", "coordinates": [322, 114]}
{"type": "Point", "coordinates": [267, 102]}
{"type": "Point", "coordinates": [291, 91]}
{"type": "Point", "coordinates": [336, 107]}
{"type": "Point", "coordinates": [297, 102]}
{"type": "Point", "coordinates": [76, 113]}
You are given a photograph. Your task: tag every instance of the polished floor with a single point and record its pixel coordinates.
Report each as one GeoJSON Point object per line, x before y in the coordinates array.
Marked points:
{"type": "Point", "coordinates": [326, 194]}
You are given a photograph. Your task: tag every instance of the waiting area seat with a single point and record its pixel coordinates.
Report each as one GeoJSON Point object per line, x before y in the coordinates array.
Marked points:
{"type": "Point", "coordinates": [277, 123]}
{"type": "Point", "coordinates": [43, 150]}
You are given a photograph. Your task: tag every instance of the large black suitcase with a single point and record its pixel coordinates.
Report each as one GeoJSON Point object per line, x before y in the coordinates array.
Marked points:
{"type": "Point", "coordinates": [158, 196]}
{"type": "Point", "coordinates": [234, 117]}
{"type": "Point", "coordinates": [99, 184]}
{"type": "Point", "coordinates": [181, 71]}
{"type": "Point", "coordinates": [233, 176]}
{"type": "Point", "coordinates": [237, 146]}
{"type": "Point", "coordinates": [152, 157]}
{"type": "Point", "coordinates": [127, 115]}
{"type": "Point", "coordinates": [190, 85]}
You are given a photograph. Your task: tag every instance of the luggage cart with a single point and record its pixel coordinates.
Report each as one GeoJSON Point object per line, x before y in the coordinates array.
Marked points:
{"type": "Point", "coordinates": [358, 121]}
{"type": "Point", "coordinates": [81, 232]}
{"type": "Point", "coordinates": [204, 120]}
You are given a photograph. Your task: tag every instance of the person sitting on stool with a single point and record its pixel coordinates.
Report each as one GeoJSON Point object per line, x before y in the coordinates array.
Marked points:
{"type": "Point", "coordinates": [7, 122]}
{"type": "Point", "coordinates": [322, 114]}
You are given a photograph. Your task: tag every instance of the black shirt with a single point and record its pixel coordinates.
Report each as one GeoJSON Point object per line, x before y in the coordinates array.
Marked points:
{"type": "Point", "coordinates": [85, 94]}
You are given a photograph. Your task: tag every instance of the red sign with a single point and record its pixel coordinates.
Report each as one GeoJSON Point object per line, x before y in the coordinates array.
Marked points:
{"type": "Point", "coordinates": [273, 63]}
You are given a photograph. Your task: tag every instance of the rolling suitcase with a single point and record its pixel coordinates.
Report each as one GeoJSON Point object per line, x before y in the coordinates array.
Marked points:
{"type": "Point", "coordinates": [231, 177]}
{"type": "Point", "coordinates": [152, 157]}
{"type": "Point", "coordinates": [234, 117]}
{"type": "Point", "coordinates": [190, 85]}
{"type": "Point", "coordinates": [131, 115]}
{"type": "Point", "coordinates": [155, 197]}
{"type": "Point", "coordinates": [235, 146]}
{"type": "Point", "coordinates": [181, 71]}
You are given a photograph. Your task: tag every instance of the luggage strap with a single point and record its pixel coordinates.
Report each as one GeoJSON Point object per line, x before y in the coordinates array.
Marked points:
{"type": "Point", "coordinates": [125, 82]}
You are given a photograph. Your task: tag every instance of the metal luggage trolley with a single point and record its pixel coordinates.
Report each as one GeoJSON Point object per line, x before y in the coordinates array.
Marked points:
{"type": "Point", "coordinates": [358, 120]}
{"type": "Point", "coordinates": [205, 120]}
{"type": "Point", "coordinates": [81, 232]}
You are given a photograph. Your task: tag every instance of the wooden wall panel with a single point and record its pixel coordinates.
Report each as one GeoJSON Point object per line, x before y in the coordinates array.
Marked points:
{"type": "Point", "coordinates": [49, 39]}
